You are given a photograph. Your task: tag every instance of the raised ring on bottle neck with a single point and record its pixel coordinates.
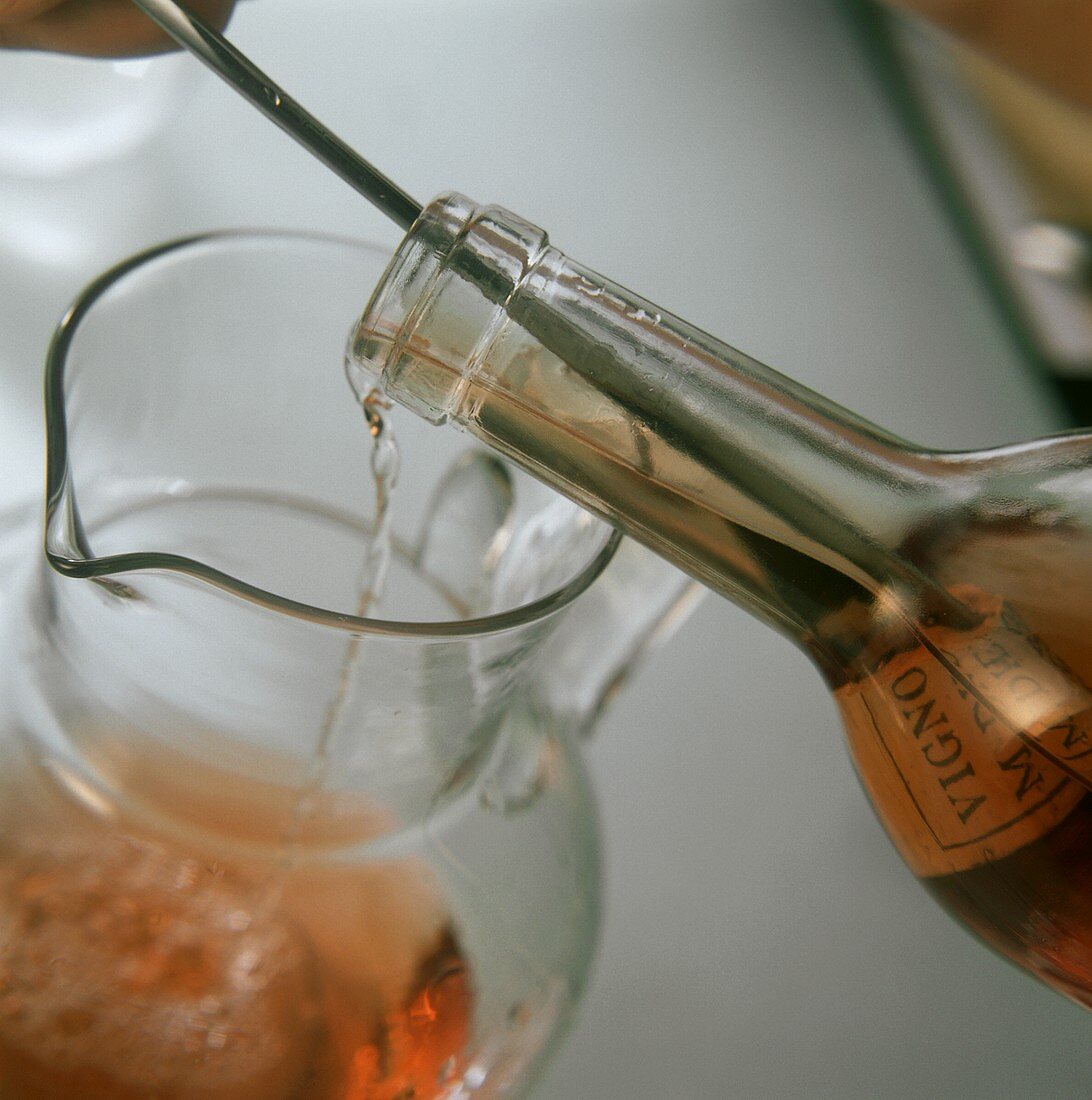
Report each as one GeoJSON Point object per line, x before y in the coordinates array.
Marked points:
{"type": "Point", "coordinates": [441, 301]}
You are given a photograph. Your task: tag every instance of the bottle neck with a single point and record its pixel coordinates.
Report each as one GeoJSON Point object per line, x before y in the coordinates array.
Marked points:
{"type": "Point", "coordinates": [751, 483]}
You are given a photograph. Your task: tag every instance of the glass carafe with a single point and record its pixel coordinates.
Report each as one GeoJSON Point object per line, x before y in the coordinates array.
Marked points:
{"type": "Point", "coordinates": [252, 845]}
{"type": "Point", "coordinates": [945, 597]}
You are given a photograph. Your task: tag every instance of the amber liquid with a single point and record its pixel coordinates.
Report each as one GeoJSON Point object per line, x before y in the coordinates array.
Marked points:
{"type": "Point", "coordinates": [221, 948]}
{"type": "Point", "coordinates": [135, 966]}
{"type": "Point", "coordinates": [938, 762]}
{"type": "Point", "coordinates": [1033, 906]}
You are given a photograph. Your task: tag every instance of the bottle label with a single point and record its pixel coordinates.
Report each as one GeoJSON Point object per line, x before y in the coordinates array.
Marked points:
{"type": "Point", "coordinates": [973, 744]}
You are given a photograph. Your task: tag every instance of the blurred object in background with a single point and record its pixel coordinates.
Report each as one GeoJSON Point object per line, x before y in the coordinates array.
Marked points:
{"type": "Point", "coordinates": [1013, 165]}
{"type": "Point", "coordinates": [1048, 41]}
{"type": "Point", "coordinates": [59, 115]}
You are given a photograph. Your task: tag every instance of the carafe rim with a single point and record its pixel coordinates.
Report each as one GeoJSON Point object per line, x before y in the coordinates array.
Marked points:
{"type": "Point", "coordinates": [66, 545]}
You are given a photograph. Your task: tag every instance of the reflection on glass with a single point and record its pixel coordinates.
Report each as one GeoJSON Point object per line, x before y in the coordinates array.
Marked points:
{"type": "Point", "coordinates": [62, 114]}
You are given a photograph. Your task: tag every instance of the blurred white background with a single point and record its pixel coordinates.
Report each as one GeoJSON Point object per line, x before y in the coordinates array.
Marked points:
{"type": "Point", "coordinates": [731, 160]}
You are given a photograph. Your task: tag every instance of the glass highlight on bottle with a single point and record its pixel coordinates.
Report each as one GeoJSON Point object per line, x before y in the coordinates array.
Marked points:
{"type": "Point", "coordinates": [945, 597]}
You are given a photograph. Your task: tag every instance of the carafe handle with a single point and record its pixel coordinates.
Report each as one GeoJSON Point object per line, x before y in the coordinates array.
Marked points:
{"type": "Point", "coordinates": [638, 602]}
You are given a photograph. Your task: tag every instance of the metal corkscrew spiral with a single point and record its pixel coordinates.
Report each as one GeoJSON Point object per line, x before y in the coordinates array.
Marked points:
{"type": "Point", "coordinates": [237, 70]}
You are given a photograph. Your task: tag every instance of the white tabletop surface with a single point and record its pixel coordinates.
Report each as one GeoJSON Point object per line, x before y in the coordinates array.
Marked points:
{"type": "Point", "coordinates": [730, 160]}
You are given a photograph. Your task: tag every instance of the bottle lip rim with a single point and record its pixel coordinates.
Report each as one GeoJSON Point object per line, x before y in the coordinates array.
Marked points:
{"type": "Point", "coordinates": [69, 554]}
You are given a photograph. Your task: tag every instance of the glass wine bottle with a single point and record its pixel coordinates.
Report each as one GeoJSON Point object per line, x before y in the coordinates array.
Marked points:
{"type": "Point", "coordinates": [944, 597]}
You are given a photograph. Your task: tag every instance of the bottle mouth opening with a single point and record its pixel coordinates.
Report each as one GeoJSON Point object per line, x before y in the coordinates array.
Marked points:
{"type": "Point", "coordinates": [70, 546]}
{"type": "Point", "coordinates": [427, 379]}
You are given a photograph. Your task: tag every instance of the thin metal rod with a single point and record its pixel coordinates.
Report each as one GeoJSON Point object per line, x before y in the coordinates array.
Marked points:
{"type": "Point", "coordinates": [214, 50]}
